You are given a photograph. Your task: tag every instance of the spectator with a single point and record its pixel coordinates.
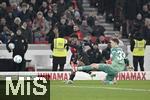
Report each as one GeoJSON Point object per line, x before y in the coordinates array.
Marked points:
{"type": "Point", "coordinates": [70, 14]}
{"type": "Point", "coordinates": [146, 31]}
{"type": "Point", "coordinates": [78, 32]}
{"type": "Point", "coordinates": [94, 54]}
{"type": "Point", "coordinates": [98, 30]}
{"type": "Point", "coordinates": [69, 28]}
{"type": "Point", "coordinates": [5, 35]}
{"type": "Point", "coordinates": [53, 33]}
{"type": "Point", "coordinates": [137, 24]}
{"type": "Point", "coordinates": [34, 4]}
{"type": "Point", "coordinates": [85, 29]}
{"type": "Point", "coordinates": [101, 6]}
{"type": "Point", "coordinates": [32, 13]}
{"type": "Point", "coordinates": [16, 25]}
{"type": "Point", "coordinates": [21, 47]}
{"type": "Point", "coordinates": [3, 9]}
{"type": "Point", "coordinates": [44, 7]}
{"type": "Point", "coordinates": [145, 11]}
{"type": "Point", "coordinates": [38, 4]}
{"type": "Point", "coordinates": [40, 28]}
{"type": "Point", "coordinates": [77, 17]}
{"type": "Point", "coordinates": [14, 9]}
{"type": "Point", "coordinates": [118, 15]}
{"type": "Point", "coordinates": [49, 2]}
{"type": "Point", "coordinates": [109, 9]}
{"type": "Point", "coordinates": [26, 32]}
{"type": "Point", "coordinates": [61, 7]}
{"type": "Point", "coordinates": [106, 53]}
{"type": "Point", "coordinates": [63, 26]}
{"type": "Point", "coordinates": [79, 6]}
{"type": "Point", "coordinates": [91, 21]}
{"type": "Point", "coordinates": [55, 12]}
{"type": "Point", "coordinates": [2, 24]}
{"type": "Point", "coordinates": [10, 19]}
{"type": "Point", "coordinates": [102, 40]}
{"type": "Point", "coordinates": [51, 17]}
{"type": "Point", "coordinates": [24, 15]}
{"type": "Point", "coordinates": [130, 11]}
{"type": "Point", "coordinates": [139, 20]}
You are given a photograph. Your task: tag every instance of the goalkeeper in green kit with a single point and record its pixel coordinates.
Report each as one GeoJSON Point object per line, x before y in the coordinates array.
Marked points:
{"type": "Point", "coordinates": [118, 64]}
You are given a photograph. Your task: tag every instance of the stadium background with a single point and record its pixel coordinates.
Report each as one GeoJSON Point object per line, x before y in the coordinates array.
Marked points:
{"type": "Point", "coordinates": [40, 56]}
{"type": "Point", "coordinates": [112, 17]}
{"type": "Point", "coordinates": [104, 13]}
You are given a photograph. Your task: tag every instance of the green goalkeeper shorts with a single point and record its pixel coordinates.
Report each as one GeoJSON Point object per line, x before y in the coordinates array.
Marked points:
{"type": "Point", "coordinates": [107, 68]}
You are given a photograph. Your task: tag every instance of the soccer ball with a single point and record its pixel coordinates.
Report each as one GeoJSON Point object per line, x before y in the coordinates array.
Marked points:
{"type": "Point", "coordinates": [11, 46]}
{"type": "Point", "coordinates": [17, 59]}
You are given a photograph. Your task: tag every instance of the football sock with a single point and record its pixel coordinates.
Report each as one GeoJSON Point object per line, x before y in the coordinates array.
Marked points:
{"type": "Point", "coordinates": [110, 77]}
{"type": "Point", "coordinates": [72, 76]}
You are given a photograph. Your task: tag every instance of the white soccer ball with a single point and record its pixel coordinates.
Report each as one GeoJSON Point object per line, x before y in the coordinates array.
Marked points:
{"type": "Point", "coordinates": [17, 59]}
{"type": "Point", "coordinates": [11, 46]}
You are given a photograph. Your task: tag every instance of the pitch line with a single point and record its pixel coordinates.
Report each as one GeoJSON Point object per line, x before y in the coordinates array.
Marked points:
{"type": "Point", "coordinates": [107, 88]}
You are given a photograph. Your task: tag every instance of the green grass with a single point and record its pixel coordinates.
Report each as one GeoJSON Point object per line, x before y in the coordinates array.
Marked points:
{"type": "Point", "coordinates": [95, 90]}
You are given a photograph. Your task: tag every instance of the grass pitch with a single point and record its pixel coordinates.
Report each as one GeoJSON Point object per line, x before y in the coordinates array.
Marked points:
{"type": "Point", "coordinates": [95, 90]}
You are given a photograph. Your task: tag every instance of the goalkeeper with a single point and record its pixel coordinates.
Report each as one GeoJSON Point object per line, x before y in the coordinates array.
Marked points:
{"type": "Point", "coordinates": [118, 64]}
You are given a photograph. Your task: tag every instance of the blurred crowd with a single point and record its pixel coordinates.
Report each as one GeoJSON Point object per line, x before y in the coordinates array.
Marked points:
{"type": "Point", "coordinates": [128, 16]}
{"type": "Point", "coordinates": [42, 20]}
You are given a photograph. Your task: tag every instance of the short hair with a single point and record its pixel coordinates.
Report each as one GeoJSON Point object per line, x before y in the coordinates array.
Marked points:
{"type": "Point", "coordinates": [115, 40]}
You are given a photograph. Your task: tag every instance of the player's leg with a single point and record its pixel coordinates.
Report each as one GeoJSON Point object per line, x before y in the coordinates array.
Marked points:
{"type": "Point", "coordinates": [73, 73]}
{"type": "Point", "coordinates": [75, 69]}
{"type": "Point", "coordinates": [107, 68]}
{"type": "Point", "coordinates": [88, 67]}
{"type": "Point", "coordinates": [111, 73]}
{"type": "Point", "coordinates": [110, 78]}
{"type": "Point", "coordinates": [71, 78]}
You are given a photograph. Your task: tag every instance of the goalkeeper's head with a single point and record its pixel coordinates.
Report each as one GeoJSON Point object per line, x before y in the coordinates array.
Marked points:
{"type": "Point", "coordinates": [114, 42]}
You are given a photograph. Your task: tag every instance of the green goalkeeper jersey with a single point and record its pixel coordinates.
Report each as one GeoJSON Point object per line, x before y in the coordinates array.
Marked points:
{"type": "Point", "coordinates": [117, 55]}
